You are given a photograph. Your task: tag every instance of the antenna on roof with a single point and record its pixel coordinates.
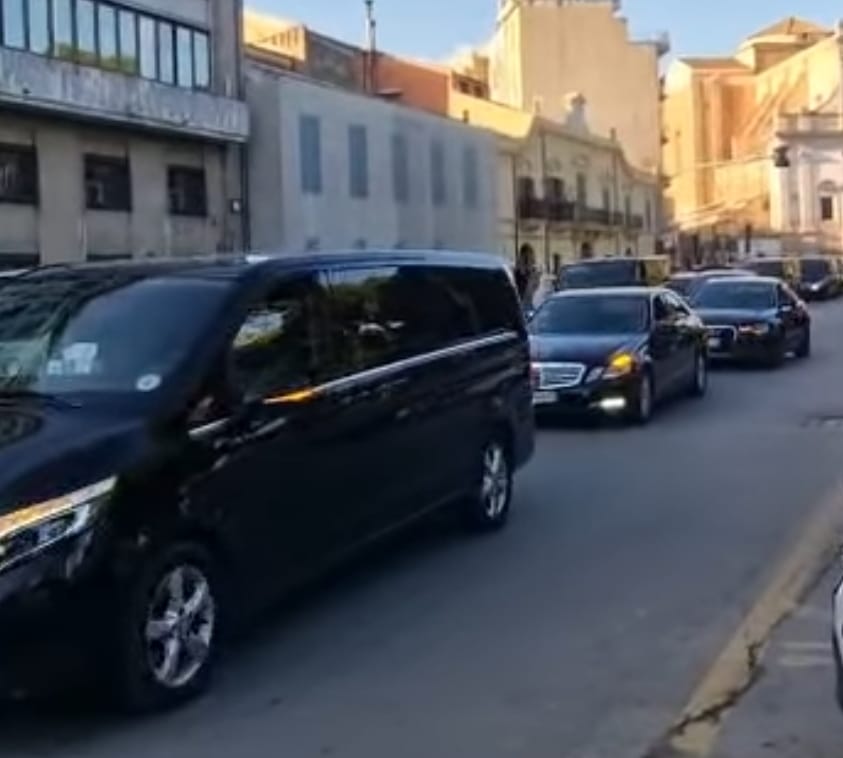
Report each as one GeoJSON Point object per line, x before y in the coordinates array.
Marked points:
{"type": "Point", "coordinates": [369, 79]}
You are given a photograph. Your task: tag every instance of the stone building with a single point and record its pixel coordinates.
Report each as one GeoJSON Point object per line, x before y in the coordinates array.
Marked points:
{"type": "Point", "coordinates": [120, 129]}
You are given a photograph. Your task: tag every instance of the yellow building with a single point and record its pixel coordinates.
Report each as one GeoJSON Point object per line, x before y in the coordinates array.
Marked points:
{"type": "Point", "coordinates": [543, 50]}
{"type": "Point", "coordinates": [720, 120]}
{"type": "Point", "coordinates": [563, 192]}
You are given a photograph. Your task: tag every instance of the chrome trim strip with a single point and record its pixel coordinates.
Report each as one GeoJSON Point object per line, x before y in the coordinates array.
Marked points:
{"type": "Point", "coordinates": [208, 430]}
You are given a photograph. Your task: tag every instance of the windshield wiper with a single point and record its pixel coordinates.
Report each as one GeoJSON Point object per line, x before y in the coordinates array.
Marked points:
{"type": "Point", "coordinates": [47, 398]}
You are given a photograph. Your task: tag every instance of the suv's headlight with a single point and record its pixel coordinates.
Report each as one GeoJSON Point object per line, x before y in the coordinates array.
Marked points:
{"type": "Point", "coordinates": [33, 528]}
{"type": "Point", "coordinates": [755, 330]}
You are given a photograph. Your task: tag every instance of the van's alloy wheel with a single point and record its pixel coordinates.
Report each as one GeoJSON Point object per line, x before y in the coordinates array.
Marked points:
{"type": "Point", "coordinates": [489, 508]}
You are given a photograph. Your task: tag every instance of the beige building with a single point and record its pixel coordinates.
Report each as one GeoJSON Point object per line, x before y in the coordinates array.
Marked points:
{"type": "Point", "coordinates": [725, 117]}
{"type": "Point", "coordinates": [545, 50]}
{"type": "Point", "coordinates": [120, 129]}
{"type": "Point", "coordinates": [563, 193]}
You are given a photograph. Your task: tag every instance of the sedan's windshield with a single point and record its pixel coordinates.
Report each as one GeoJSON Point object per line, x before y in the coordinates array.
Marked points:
{"type": "Point", "coordinates": [79, 332]}
{"type": "Point", "coordinates": [725, 294]}
{"type": "Point", "coordinates": [599, 274]}
{"type": "Point", "coordinates": [815, 269]}
{"type": "Point", "coordinates": [600, 314]}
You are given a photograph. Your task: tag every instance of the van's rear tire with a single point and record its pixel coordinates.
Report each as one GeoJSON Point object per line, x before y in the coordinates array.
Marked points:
{"type": "Point", "coordinates": [487, 508]}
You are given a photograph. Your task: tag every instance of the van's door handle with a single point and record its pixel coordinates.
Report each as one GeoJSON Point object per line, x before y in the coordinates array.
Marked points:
{"type": "Point", "coordinates": [402, 414]}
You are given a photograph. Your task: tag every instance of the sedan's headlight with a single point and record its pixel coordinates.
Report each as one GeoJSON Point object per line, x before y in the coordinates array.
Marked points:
{"type": "Point", "coordinates": [33, 528]}
{"type": "Point", "coordinates": [755, 330]}
{"type": "Point", "coordinates": [620, 364]}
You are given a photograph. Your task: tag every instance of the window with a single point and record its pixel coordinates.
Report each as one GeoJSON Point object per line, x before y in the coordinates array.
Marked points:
{"type": "Point", "coordinates": [469, 177]}
{"type": "Point", "coordinates": [18, 174]}
{"type": "Point", "coordinates": [437, 174]}
{"type": "Point", "coordinates": [310, 149]}
{"type": "Point", "coordinates": [39, 27]}
{"type": "Point", "coordinates": [86, 35]}
{"type": "Point", "coordinates": [358, 161]}
{"type": "Point", "coordinates": [186, 191]}
{"type": "Point", "coordinates": [107, 183]}
{"type": "Point", "coordinates": [201, 60]}
{"type": "Point", "coordinates": [282, 345]}
{"type": "Point", "coordinates": [107, 30]}
{"type": "Point", "coordinates": [14, 25]}
{"type": "Point", "coordinates": [148, 54]}
{"type": "Point", "coordinates": [554, 188]}
{"type": "Point", "coordinates": [607, 199]}
{"type": "Point", "coordinates": [627, 208]}
{"type": "Point", "coordinates": [526, 188]}
{"type": "Point", "coordinates": [400, 169]}
{"type": "Point", "coordinates": [582, 190]}
{"type": "Point", "coordinates": [648, 215]}
{"type": "Point", "coordinates": [184, 57]}
{"type": "Point", "coordinates": [826, 208]}
{"type": "Point", "coordinates": [166, 53]}
{"type": "Point", "coordinates": [62, 30]}
{"type": "Point", "coordinates": [127, 32]}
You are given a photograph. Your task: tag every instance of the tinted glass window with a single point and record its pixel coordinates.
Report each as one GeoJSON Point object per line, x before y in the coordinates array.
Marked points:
{"type": "Point", "coordinates": [14, 26]}
{"type": "Point", "coordinates": [738, 295]}
{"type": "Point", "coordinates": [184, 57]}
{"type": "Point", "coordinates": [281, 345]}
{"type": "Point", "coordinates": [186, 190]}
{"type": "Point", "coordinates": [358, 161]}
{"type": "Point", "coordinates": [86, 35]}
{"type": "Point", "coordinates": [469, 177]}
{"type": "Point", "coordinates": [127, 29]}
{"type": "Point", "coordinates": [107, 28]}
{"type": "Point", "coordinates": [148, 59]}
{"type": "Point", "coordinates": [400, 169]}
{"type": "Point", "coordinates": [437, 174]}
{"type": "Point", "coordinates": [77, 332]}
{"type": "Point", "coordinates": [62, 29]}
{"type": "Point", "coordinates": [201, 60]}
{"type": "Point", "coordinates": [683, 285]}
{"type": "Point", "coordinates": [616, 314]}
{"type": "Point", "coordinates": [166, 53]}
{"type": "Point", "coordinates": [18, 174]}
{"type": "Point", "coordinates": [769, 268]}
{"type": "Point", "coordinates": [107, 183]}
{"type": "Point", "coordinates": [600, 274]}
{"type": "Point", "coordinates": [493, 297]}
{"type": "Point", "coordinates": [39, 27]}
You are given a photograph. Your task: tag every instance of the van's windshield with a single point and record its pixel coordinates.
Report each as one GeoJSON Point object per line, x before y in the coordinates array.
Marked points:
{"type": "Point", "coordinates": [79, 332]}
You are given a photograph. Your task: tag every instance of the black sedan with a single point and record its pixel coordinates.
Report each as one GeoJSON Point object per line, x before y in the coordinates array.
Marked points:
{"type": "Point", "coordinates": [686, 283]}
{"type": "Point", "coordinates": [754, 319]}
{"type": "Point", "coordinates": [615, 352]}
{"type": "Point", "coordinates": [818, 278]}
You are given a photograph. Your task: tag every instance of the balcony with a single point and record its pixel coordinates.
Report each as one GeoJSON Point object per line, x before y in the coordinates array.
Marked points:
{"type": "Point", "coordinates": [560, 211]}
{"type": "Point", "coordinates": [636, 222]}
{"type": "Point", "coordinates": [531, 208]}
{"type": "Point", "coordinates": [809, 123]}
{"type": "Point", "coordinates": [36, 83]}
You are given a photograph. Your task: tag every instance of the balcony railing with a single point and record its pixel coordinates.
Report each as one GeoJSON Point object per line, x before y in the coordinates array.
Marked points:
{"type": "Point", "coordinates": [560, 211]}
{"type": "Point", "coordinates": [531, 208]}
{"type": "Point", "coordinates": [812, 123]}
{"type": "Point", "coordinates": [636, 221]}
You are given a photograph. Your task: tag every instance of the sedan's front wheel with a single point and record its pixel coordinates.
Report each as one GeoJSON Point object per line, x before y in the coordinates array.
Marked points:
{"type": "Point", "coordinates": [169, 631]}
{"type": "Point", "coordinates": [642, 410]}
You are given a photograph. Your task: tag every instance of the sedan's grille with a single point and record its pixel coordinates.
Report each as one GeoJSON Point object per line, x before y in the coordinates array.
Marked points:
{"type": "Point", "coordinates": [560, 375]}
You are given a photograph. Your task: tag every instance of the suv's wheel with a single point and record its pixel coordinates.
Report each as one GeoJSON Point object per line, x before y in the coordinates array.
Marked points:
{"type": "Point", "coordinates": [488, 508]}
{"type": "Point", "coordinates": [699, 384]}
{"type": "Point", "coordinates": [169, 632]}
{"type": "Point", "coordinates": [642, 410]}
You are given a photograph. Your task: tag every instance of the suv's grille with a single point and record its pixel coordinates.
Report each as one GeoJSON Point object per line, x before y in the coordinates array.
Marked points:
{"type": "Point", "coordinates": [560, 375]}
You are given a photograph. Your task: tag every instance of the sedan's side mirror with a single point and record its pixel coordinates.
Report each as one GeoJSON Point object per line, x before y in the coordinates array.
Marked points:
{"type": "Point", "coordinates": [785, 308]}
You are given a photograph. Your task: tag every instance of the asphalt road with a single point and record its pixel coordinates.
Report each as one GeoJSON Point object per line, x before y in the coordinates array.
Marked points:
{"type": "Point", "coordinates": [580, 631]}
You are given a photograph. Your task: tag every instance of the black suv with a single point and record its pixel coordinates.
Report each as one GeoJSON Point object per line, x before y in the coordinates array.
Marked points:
{"type": "Point", "coordinates": [182, 442]}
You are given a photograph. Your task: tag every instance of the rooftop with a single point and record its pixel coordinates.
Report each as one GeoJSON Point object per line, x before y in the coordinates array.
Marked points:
{"type": "Point", "coordinates": [791, 27]}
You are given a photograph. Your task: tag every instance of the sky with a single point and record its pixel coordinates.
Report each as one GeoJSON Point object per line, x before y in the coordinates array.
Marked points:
{"type": "Point", "coordinates": [434, 29]}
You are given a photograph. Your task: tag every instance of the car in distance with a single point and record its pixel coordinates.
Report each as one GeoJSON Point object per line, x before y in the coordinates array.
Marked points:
{"type": "Point", "coordinates": [614, 272]}
{"type": "Point", "coordinates": [753, 319]}
{"type": "Point", "coordinates": [785, 267]}
{"type": "Point", "coordinates": [686, 283]}
{"type": "Point", "coordinates": [615, 352]}
{"type": "Point", "coordinates": [819, 278]}
{"type": "Point", "coordinates": [182, 442]}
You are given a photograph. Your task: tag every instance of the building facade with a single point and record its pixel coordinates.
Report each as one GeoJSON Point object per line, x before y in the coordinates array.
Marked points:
{"type": "Point", "coordinates": [336, 169]}
{"type": "Point", "coordinates": [723, 120]}
{"type": "Point", "coordinates": [545, 50]}
{"type": "Point", "coordinates": [121, 128]}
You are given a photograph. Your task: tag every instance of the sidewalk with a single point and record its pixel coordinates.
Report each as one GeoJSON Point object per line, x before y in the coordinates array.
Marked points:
{"type": "Point", "coordinates": [791, 711]}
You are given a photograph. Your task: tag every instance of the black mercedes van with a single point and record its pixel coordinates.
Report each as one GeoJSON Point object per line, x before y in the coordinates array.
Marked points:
{"type": "Point", "coordinates": [183, 441]}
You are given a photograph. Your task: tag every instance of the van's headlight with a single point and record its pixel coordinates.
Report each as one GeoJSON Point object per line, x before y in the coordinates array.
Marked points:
{"type": "Point", "coordinates": [33, 528]}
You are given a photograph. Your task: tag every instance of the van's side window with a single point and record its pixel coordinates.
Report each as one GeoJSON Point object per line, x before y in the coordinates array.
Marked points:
{"type": "Point", "coordinates": [493, 297]}
{"type": "Point", "coordinates": [282, 345]}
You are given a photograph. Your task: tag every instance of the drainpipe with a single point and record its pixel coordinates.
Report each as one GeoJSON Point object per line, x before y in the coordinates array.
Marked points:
{"type": "Point", "coordinates": [515, 219]}
{"type": "Point", "coordinates": [243, 151]}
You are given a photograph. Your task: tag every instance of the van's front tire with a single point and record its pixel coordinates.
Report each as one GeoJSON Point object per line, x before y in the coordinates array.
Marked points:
{"type": "Point", "coordinates": [168, 633]}
{"type": "Point", "coordinates": [487, 509]}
